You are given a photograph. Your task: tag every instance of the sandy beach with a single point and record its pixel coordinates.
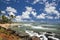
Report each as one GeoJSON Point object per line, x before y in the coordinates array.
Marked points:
{"type": "Point", "coordinates": [7, 25]}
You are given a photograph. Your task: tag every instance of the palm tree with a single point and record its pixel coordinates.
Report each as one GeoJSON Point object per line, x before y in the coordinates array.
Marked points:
{"type": "Point", "coordinates": [3, 18]}
{"type": "Point", "coordinates": [12, 17]}
{"type": "Point", "coordinates": [0, 13]}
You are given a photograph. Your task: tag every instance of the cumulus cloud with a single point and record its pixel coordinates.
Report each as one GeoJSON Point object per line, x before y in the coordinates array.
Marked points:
{"type": "Point", "coordinates": [39, 1]}
{"type": "Point", "coordinates": [28, 8]}
{"type": "Point", "coordinates": [18, 18]}
{"type": "Point", "coordinates": [28, 11]}
{"type": "Point", "coordinates": [3, 12]}
{"type": "Point", "coordinates": [35, 1]}
{"type": "Point", "coordinates": [41, 16]}
{"type": "Point", "coordinates": [8, 0]}
{"type": "Point", "coordinates": [34, 13]}
{"type": "Point", "coordinates": [50, 9]}
{"type": "Point", "coordinates": [49, 17]}
{"type": "Point", "coordinates": [25, 14]}
{"type": "Point", "coordinates": [11, 11]}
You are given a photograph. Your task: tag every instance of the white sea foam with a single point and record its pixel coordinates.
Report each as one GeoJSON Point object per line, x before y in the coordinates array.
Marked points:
{"type": "Point", "coordinates": [40, 27]}
{"type": "Point", "coordinates": [31, 33]}
{"type": "Point", "coordinates": [42, 35]}
{"type": "Point", "coordinates": [53, 38]}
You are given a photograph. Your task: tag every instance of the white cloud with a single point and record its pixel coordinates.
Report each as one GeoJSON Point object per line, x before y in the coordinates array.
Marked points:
{"type": "Point", "coordinates": [58, 16]}
{"type": "Point", "coordinates": [39, 1]}
{"type": "Point", "coordinates": [47, 4]}
{"type": "Point", "coordinates": [7, 0]}
{"type": "Point", "coordinates": [35, 1]}
{"type": "Point", "coordinates": [51, 9]}
{"type": "Point", "coordinates": [28, 11]}
{"type": "Point", "coordinates": [41, 16]}
{"type": "Point", "coordinates": [49, 17]}
{"type": "Point", "coordinates": [3, 12]}
{"type": "Point", "coordinates": [10, 9]}
{"type": "Point", "coordinates": [26, 15]}
{"type": "Point", "coordinates": [11, 13]}
{"type": "Point", "coordinates": [34, 13]}
{"type": "Point", "coordinates": [18, 18]}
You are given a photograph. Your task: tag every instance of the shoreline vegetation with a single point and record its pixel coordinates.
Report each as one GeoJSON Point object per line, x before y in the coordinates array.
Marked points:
{"type": "Point", "coordinates": [7, 34]}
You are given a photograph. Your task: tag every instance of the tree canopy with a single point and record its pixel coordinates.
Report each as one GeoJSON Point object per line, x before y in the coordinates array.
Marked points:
{"type": "Point", "coordinates": [4, 19]}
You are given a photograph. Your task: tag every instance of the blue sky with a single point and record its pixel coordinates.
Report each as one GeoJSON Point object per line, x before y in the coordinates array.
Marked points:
{"type": "Point", "coordinates": [32, 10]}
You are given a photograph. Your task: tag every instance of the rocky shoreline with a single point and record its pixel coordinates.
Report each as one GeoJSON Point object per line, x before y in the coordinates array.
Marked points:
{"type": "Point", "coordinates": [9, 34]}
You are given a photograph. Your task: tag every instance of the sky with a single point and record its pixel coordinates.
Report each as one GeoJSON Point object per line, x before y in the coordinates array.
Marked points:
{"type": "Point", "coordinates": [32, 10]}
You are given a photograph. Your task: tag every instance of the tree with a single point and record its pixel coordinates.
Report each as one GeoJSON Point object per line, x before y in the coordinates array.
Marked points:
{"type": "Point", "coordinates": [3, 18]}
{"type": "Point", "coordinates": [6, 19]}
{"type": "Point", "coordinates": [12, 17]}
{"type": "Point", "coordinates": [0, 14]}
